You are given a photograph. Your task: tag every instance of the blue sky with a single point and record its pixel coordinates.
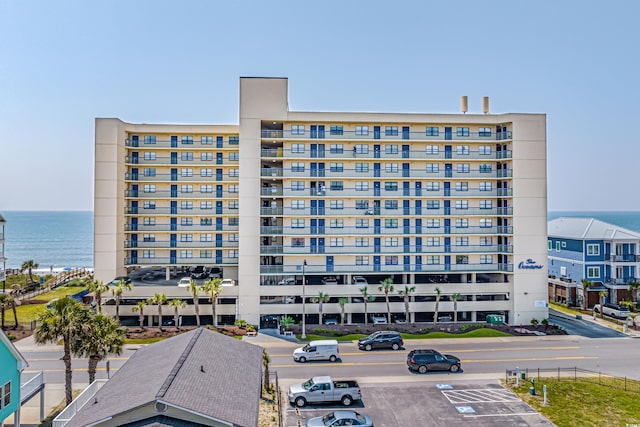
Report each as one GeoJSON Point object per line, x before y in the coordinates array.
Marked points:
{"type": "Point", "coordinates": [64, 63]}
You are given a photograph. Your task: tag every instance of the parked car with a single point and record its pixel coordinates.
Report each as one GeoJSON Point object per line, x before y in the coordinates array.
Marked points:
{"type": "Point", "coordinates": [359, 280]}
{"type": "Point", "coordinates": [431, 360]}
{"type": "Point", "coordinates": [325, 390]}
{"type": "Point", "coordinates": [287, 281]}
{"type": "Point", "coordinates": [215, 273]}
{"type": "Point", "coordinates": [317, 350]}
{"type": "Point", "coordinates": [289, 300]}
{"type": "Point", "coordinates": [445, 319]}
{"type": "Point", "coordinates": [200, 272]}
{"type": "Point", "coordinates": [379, 320]}
{"type": "Point", "coordinates": [329, 281]}
{"type": "Point", "coordinates": [228, 282]}
{"type": "Point", "coordinates": [400, 320]}
{"type": "Point", "coordinates": [613, 310]}
{"type": "Point", "coordinates": [330, 321]}
{"type": "Point", "coordinates": [341, 418]}
{"type": "Point", "coordinates": [381, 339]}
{"type": "Point", "coordinates": [184, 282]}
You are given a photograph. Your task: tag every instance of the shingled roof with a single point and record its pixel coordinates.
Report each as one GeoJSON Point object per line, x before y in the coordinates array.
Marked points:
{"type": "Point", "coordinates": [200, 371]}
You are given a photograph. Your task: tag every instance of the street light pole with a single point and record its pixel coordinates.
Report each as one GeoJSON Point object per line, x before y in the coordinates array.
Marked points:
{"type": "Point", "coordinates": [304, 329]}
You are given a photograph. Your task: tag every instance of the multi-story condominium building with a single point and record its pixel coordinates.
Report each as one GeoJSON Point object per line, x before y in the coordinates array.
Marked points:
{"type": "Point", "coordinates": [587, 249]}
{"type": "Point", "coordinates": [340, 201]}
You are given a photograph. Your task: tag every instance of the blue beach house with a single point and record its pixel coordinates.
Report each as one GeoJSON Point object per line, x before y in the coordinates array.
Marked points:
{"type": "Point", "coordinates": [11, 365]}
{"type": "Point", "coordinates": [586, 248]}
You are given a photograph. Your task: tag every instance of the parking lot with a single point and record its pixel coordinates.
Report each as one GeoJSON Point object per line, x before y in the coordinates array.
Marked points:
{"type": "Point", "coordinates": [432, 404]}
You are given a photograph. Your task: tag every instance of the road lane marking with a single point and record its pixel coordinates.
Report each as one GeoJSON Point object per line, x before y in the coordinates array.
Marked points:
{"type": "Point", "coordinates": [451, 351]}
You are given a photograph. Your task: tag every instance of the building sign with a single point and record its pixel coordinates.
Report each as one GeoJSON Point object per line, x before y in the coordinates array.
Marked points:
{"type": "Point", "coordinates": [529, 264]}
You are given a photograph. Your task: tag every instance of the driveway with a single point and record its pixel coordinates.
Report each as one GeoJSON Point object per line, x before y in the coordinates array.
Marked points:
{"type": "Point", "coordinates": [583, 327]}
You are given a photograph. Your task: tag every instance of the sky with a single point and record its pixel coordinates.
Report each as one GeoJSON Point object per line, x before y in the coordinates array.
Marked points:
{"type": "Point", "coordinates": [64, 63]}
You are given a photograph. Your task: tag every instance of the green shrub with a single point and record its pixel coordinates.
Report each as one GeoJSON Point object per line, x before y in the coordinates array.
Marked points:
{"type": "Point", "coordinates": [11, 337]}
{"type": "Point", "coordinates": [240, 323]}
{"type": "Point", "coordinates": [534, 321]}
{"type": "Point", "coordinates": [331, 332]}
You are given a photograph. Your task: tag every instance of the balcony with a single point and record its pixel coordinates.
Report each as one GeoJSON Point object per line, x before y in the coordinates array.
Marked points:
{"type": "Point", "coordinates": [169, 161]}
{"type": "Point", "coordinates": [165, 211]}
{"type": "Point", "coordinates": [227, 143]}
{"type": "Point", "coordinates": [177, 178]}
{"type": "Point", "coordinates": [622, 258]}
{"type": "Point", "coordinates": [165, 260]}
{"type": "Point", "coordinates": [396, 193]}
{"type": "Point", "coordinates": [384, 231]}
{"type": "Point", "coordinates": [210, 228]}
{"type": "Point", "coordinates": [384, 269]}
{"type": "Point", "coordinates": [371, 135]}
{"type": "Point", "coordinates": [345, 173]}
{"type": "Point", "coordinates": [83, 398]}
{"type": "Point", "coordinates": [347, 154]}
{"type": "Point", "coordinates": [168, 194]}
{"type": "Point", "coordinates": [384, 250]}
{"type": "Point", "coordinates": [358, 212]}
{"type": "Point", "coordinates": [177, 245]}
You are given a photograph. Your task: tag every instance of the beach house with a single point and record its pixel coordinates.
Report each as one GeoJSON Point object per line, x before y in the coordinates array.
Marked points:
{"type": "Point", "coordinates": [12, 364]}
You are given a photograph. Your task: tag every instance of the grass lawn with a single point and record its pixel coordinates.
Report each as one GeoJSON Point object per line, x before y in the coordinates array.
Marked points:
{"type": "Point", "coordinates": [582, 404]}
{"type": "Point", "coordinates": [30, 312]}
{"type": "Point", "coordinates": [477, 333]}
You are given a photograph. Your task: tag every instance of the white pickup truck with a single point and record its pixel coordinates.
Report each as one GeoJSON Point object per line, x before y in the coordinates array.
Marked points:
{"type": "Point", "coordinates": [324, 390]}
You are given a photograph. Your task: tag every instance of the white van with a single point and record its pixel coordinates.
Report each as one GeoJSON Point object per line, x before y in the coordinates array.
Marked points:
{"type": "Point", "coordinates": [317, 350]}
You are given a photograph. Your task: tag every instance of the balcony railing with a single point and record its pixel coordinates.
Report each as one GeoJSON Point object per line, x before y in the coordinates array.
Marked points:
{"type": "Point", "coordinates": [384, 136]}
{"type": "Point", "coordinates": [195, 260]}
{"type": "Point", "coordinates": [226, 143]}
{"type": "Point", "coordinates": [357, 212]}
{"type": "Point", "coordinates": [346, 173]}
{"type": "Point", "coordinates": [168, 161]}
{"type": "Point", "coordinates": [83, 398]}
{"type": "Point", "coordinates": [177, 178]}
{"type": "Point", "coordinates": [180, 228]}
{"type": "Point", "coordinates": [165, 211]}
{"type": "Point", "coordinates": [372, 230]}
{"type": "Point", "coordinates": [348, 154]}
{"type": "Point", "coordinates": [400, 249]}
{"type": "Point", "coordinates": [195, 194]}
{"type": "Point", "coordinates": [169, 244]}
{"type": "Point", "coordinates": [384, 268]}
{"type": "Point", "coordinates": [395, 193]}
{"type": "Point", "coordinates": [623, 258]}
{"type": "Point", "coordinates": [31, 387]}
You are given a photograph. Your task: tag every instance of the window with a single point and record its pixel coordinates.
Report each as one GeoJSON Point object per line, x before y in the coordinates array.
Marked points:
{"type": "Point", "coordinates": [432, 131]}
{"type": "Point", "coordinates": [234, 221]}
{"type": "Point", "coordinates": [433, 186]}
{"type": "Point", "coordinates": [234, 204]}
{"type": "Point", "coordinates": [593, 249]}
{"type": "Point", "coordinates": [391, 148]}
{"type": "Point", "coordinates": [549, 245]}
{"type": "Point", "coordinates": [391, 241]}
{"type": "Point", "coordinates": [206, 237]}
{"type": "Point", "coordinates": [391, 131]}
{"type": "Point", "coordinates": [432, 149]}
{"type": "Point", "coordinates": [462, 167]}
{"type": "Point", "coordinates": [149, 188]}
{"type": "Point", "coordinates": [149, 220]}
{"type": "Point", "coordinates": [361, 148]}
{"type": "Point", "coordinates": [297, 223]}
{"type": "Point", "coordinates": [203, 221]}
{"type": "Point", "coordinates": [149, 171]}
{"type": "Point", "coordinates": [337, 223]}
{"type": "Point", "coordinates": [233, 253]}
{"type": "Point", "coordinates": [462, 223]}
{"type": "Point", "coordinates": [187, 140]}
{"type": "Point", "coordinates": [149, 204]}
{"type": "Point", "coordinates": [149, 139]}
{"type": "Point", "coordinates": [297, 167]}
{"type": "Point", "coordinates": [433, 204]}
{"type": "Point", "coordinates": [362, 130]}
{"type": "Point", "coordinates": [484, 150]}
{"type": "Point", "coordinates": [485, 168]}
{"type": "Point", "coordinates": [391, 223]}
{"type": "Point", "coordinates": [186, 221]}
{"type": "Point", "coordinates": [234, 140]}
{"type": "Point", "coordinates": [335, 130]}
{"type": "Point", "coordinates": [206, 157]}
{"type": "Point", "coordinates": [234, 172]}
{"type": "Point", "coordinates": [462, 186]}
{"type": "Point", "coordinates": [336, 242]}
{"type": "Point", "coordinates": [336, 148]}
{"type": "Point", "coordinates": [206, 253]}
{"type": "Point", "coordinates": [484, 132]}
{"type": "Point", "coordinates": [391, 167]}
{"type": "Point", "coordinates": [462, 241]}
{"type": "Point", "coordinates": [234, 188]}
{"type": "Point", "coordinates": [462, 149]}
{"type": "Point", "coordinates": [362, 242]}
{"type": "Point", "coordinates": [433, 241]}
{"type": "Point", "coordinates": [462, 132]}
{"type": "Point", "coordinates": [297, 204]}
{"type": "Point", "coordinates": [362, 223]}
{"type": "Point", "coordinates": [433, 259]}
{"type": "Point", "coordinates": [593, 272]}
{"type": "Point", "coordinates": [485, 186]}
{"type": "Point", "coordinates": [486, 204]}
{"type": "Point", "coordinates": [336, 167]}
{"type": "Point", "coordinates": [206, 172]}
{"type": "Point", "coordinates": [186, 156]}
{"type": "Point", "coordinates": [337, 204]}
{"type": "Point", "coordinates": [297, 185]}
{"type": "Point", "coordinates": [391, 260]}
{"type": "Point", "coordinates": [149, 155]}
{"type": "Point", "coordinates": [149, 237]}
{"type": "Point", "coordinates": [297, 130]}
{"type": "Point", "coordinates": [362, 260]}
{"type": "Point", "coordinates": [186, 172]}
{"type": "Point", "coordinates": [391, 186]}
{"type": "Point", "coordinates": [234, 157]}
{"type": "Point", "coordinates": [336, 185]}
{"type": "Point", "coordinates": [186, 205]}
{"type": "Point", "coordinates": [557, 246]}
{"type": "Point", "coordinates": [186, 237]}
{"type": "Point", "coordinates": [362, 167]}
{"type": "Point", "coordinates": [206, 188]}
{"type": "Point", "coordinates": [297, 148]}
{"type": "Point", "coordinates": [432, 168]}
{"type": "Point", "coordinates": [206, 140]}
{"type": "Point", "coordinates": [362, 186]}
{"type": "Point", "coordinates": [433, 223]}
{"type": "Point", "coordinates": [462, 259]}
{"type": "Point", "coordinates": [186, 253]}
{"type": "Point", "coordinates": [462, 204]}
{"type": "Point", "coordinates": [148, 254]}
{"type": "Point", "coordinates": [486, 223]}
{"type": "Point", "coordinates": [391, 204]}
{"type": "Point", "coordinates": [486, 259]}
{"type": "Point", "coordinates": [487, 241]}
{"type": "Point", "coordinates": [234, 237]}
{"type": "Point", "coordinates": [297, 242]}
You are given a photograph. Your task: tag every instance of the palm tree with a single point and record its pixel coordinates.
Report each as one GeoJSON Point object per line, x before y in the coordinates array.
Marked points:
{"type": "Point", "coordinates": [119, 287]}
{"type": "Point", "coordinates": [29, 265]}
{"type": "Point", "coordinates": [602, 294]}
{"type": "Point", "coordinates": [455, 297]}
{"type": "Point", "coordinates": [139, 307]}
{"type": "Point", "coordinates": [98, 288]}
{"type": "Point", "coordinates": [287, 322]}
{"type": "Point", "coordinates": [341, 302]}
{"type": "Point", "coordinates": [4, 304]}
{"type": "Point", "coordinates": [65, 320]}
{"type": "Point", "coordinates": [435, 315]}
{"type": "Point", "coordinates": [177, 304]}
{"type": "Point", "coordinates": [195, 291]}
{"type": "Point", "coordinates": [386, 286]}
{"type": "Point", "coordinates": [158, 299]}
{"type": "Point", "coordinates": [320, 299]}
{"type": "Point", "coordinates": [103, 336]}
{"type": "Point", "coordinates": [586, 284]}
{"type": "Point", "coordinates": [634, 287]}
{"type": "Point", "coordinates": [366, 299]}
{"type": "Point", "coordinates": [265, 363]}
{"type": "Point", "coordinates": [406, 296]}
{"type": "Point", "coordinates": [14, 303]}
{"type": "Point", "coordinates": [213, 288]}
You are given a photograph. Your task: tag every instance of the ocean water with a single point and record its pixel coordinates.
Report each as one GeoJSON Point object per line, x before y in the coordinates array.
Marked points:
{"type": "Point", "coordinates": [50, 238]}
{"type": "Point", "coordinates": [65, 238]}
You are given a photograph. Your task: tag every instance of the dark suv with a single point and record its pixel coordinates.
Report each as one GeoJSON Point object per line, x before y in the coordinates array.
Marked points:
{"type": "Point", "coordinates": [430, 360]}
{"type": "Point", "coordinates": [381, 339]}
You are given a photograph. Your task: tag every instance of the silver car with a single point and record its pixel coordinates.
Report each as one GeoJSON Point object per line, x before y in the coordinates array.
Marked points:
{"type": "Point", "coordinates": [341, 418]}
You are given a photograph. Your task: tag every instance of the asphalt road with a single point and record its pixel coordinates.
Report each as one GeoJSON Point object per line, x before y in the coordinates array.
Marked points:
{"type": "Point", "coordinates": [583, 328]}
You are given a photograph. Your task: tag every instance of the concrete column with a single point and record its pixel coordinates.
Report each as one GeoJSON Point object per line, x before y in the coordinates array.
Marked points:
{"type": "Point", "coordinates": [167, 271]}
{"type": "Point", "coordinates": [42, 403]}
